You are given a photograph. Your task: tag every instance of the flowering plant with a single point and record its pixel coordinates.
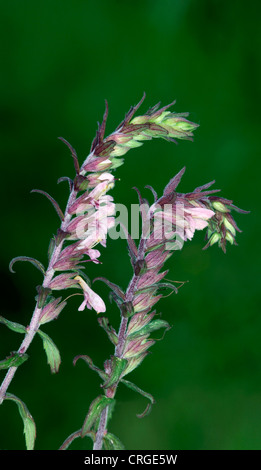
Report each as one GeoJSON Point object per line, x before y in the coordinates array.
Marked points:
{"type": "Point", "coordinates": [167, 223]}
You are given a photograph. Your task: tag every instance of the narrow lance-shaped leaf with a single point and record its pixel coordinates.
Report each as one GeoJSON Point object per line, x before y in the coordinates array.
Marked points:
{"type": "Point", "coordinates": [89, 362]}
{"type": "Point", "coordinates": [171, 186]}
{"type": "Point", "coordinates": [70, 439]}
{"type": "Point", "coordinates": [34, 261]}
{"type": "Point", "coordinates": [74, 154]}
{"type": "Point", "coordinates": [53, 201]}
{"type": "Point", "coordinates": [52, 353]}
{"type": "Point", "coordinates": [112, 335]}
{"type": "Point", "coordinates": [12, 325]}
{"type": "Point", "coordinates": [66, 178]}
{"type": "Point", "coordinates": [134, 387]}
{"type": "Point", "coordinates": [74, 436]}
{"type": "Point", "coordinates": [113, 286]}
{"type": "Point", "coordinates": [29, 424]}
{"type": "Point", "coordinates": [96, 407]}
{"type": "Point", "coordinates": [132, 247]}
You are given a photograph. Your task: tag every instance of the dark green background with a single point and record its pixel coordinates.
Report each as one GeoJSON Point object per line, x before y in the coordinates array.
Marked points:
{"type": "Point", "coordinates": [60, 60]}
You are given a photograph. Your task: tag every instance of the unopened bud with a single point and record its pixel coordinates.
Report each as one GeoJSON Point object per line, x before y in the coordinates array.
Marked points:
{"type": "Point", "coordinates": [214, 239]}
{"type": "Point", "coordinates": [229, 238]}
{"type": "Point", "coordinates": [229, 226]}
{"type": "Point", "coordinates": [219, 206]}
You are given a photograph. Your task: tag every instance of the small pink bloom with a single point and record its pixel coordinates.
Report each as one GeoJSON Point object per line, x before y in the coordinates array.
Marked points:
{"type": "Point", "coordinates": [91, 299]}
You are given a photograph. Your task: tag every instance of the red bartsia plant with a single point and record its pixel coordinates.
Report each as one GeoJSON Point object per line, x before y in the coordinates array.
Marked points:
{"type": "Point", "coordinates": [166, 224]}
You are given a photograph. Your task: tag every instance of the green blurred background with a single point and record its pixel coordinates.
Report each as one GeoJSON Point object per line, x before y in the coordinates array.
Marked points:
{"type": "Point", "coordinates": [60, 60]}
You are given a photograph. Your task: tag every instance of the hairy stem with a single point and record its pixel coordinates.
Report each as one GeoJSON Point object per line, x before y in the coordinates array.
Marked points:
{"type": "Point", "coordinates": [101, 430]}
{"type": "Point", "coordinates": [34, 324]}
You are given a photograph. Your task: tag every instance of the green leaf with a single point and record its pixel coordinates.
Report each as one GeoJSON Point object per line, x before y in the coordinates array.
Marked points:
{"type": "Point", "coordinates": [112, 335]}
{"type": "Point", "coordinates": [29, 424]}
{"type": "Point", "coordinates": [52, 352]}
{"type": "Point", "coordinates": [34, 261]}
{"type": "Point", "coordinates": [74, 436]}
{"type": "Point", "coordinates": [134, 387]}
{"type": "Point", "coordinates": [12, 325]}
{"type": "Point", "coordinates": [118, 365]}
{"type": "Point", "coordinates": [111, 442]}
{"type": "Point", "coordinates": [96, 407]}
{"type": "Point", "coordinates": [147, 329]}
{"type": "Point", "coordinates": [14, 360]}
{"type": "Point", "coordinates": [89, 361]}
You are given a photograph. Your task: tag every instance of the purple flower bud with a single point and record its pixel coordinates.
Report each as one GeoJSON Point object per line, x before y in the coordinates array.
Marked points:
{"type": "Point", "coordinates": [52, 310]}
{"type": "Point", "coordinates": [62, 281]}
{"type": "Point", "coordinates": [136, 347]}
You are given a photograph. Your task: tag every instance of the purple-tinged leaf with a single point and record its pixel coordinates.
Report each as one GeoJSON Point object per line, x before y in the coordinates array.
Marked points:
{"type": "Point", "coordinates": [116, 289]}
{"type": "Point", "coordinates": [70, 439]}
{"type": "Point", "coordinates": [154, 111]}
{"type": "Point", "coordinates": [89, 362]}
{"type": "Point", "coordinates": [172, 185]}
{"type": "Point", "coordinates": [34, 261]}
{"type": "Point", "coordinates": [131, 112]}
{"type": "Point", "coordinates": [237, 209]}
{"type": "Point", "coordinates": [200, 195]}
{"type": "Point", "coordinates": [53, 201]}
{"type": "Point", "coordinates": [132, 247]}
{"type": "Point", "coordinates": [101, 129]}
{"type": "Point", "coordinates": [66, 178]}
{"type": "Point", "coordinates": [204, 186]}
{"type": "Point", "coordinates": [104, 121]}
{"type": "Point", "coordinates": [153, 192]}
{"type": "Point", "coordinates": [74, 154]}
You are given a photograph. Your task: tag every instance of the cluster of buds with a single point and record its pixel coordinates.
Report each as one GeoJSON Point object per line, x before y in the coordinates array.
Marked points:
{"type": "Point", "coordinates": [222, 227]}
{"type": "Point", "coordinates": [132, 132]}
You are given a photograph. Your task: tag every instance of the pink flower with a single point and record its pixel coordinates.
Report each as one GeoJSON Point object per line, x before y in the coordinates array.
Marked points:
{"type": "Point", "coordinates": [91, 299]}
{"type": "Point", "coordinates": [195, 218]}
{"type": "Point", "coordinates": [179, 219]}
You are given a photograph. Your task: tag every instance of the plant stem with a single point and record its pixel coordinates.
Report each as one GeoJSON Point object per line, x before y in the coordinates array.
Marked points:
{"type": "Point", "coordinates": [101, 430]}
{"type": "Point", "coordinates": [34, 324]}
{"type": "Point", "coordinates": [119, 348]}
